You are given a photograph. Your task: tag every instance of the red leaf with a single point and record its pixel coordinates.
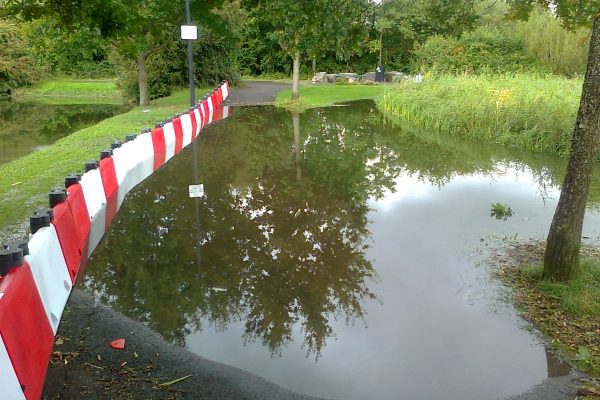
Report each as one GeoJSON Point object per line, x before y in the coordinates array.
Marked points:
{"type": "Point", "coordinates": [118, 344]}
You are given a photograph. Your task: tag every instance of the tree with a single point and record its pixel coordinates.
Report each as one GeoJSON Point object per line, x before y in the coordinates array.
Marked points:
{"type": "Point", "coordinates": [16, 63]}
{"type": "Point", "coordinates": [136, 27]}
{"type": "Point", "coordinates": [306, 27]}
{"type": "Point", "coordinates": [561, 258]}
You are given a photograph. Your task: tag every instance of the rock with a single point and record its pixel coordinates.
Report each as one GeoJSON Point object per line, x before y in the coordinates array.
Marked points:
{"type": "Point", "coordinates": [331, 78]}
{"type": "Point", "coordinates": [320, 77]}
{"type": "Point", "coordinates": [395, 76]}
{"type": "Point", "coordinates": [369, 76]}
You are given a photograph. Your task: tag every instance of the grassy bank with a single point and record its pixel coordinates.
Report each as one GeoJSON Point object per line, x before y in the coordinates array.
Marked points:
{"type": "Point", "coordinates": [67, 91]}
{"type": "Point", "coordinates": [25, 182]}
{"type": "Point", "coordinates": [326, 95]}
{"type": "Point", "coordinates": [567, 314]}
{"type": "Point", "coordinates": [533, 112]}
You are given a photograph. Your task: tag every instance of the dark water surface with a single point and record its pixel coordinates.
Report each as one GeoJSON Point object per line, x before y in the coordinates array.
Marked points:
{"type": "Point", "coordinates": [336, 255]}
{"type": "Point", "coordinates": [27, 127]}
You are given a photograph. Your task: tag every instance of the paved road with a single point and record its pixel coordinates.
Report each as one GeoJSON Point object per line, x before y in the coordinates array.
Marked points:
{"type": "Point", "coordinates": [255, 93]}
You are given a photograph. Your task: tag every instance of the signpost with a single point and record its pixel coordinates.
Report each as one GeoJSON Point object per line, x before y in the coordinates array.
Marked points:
{"type": "Point", "coordinates": [189, 32]}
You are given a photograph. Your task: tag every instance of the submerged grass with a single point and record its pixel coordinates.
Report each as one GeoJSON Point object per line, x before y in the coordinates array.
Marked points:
{"type": "Point", "coordinates": [326, 95]}
{"type": "Point", "coordinates": [535, 112]}
{"type": "Point", "coordinates": [567, 314]}
{"type": "Point", "coordinates": [25, 182]}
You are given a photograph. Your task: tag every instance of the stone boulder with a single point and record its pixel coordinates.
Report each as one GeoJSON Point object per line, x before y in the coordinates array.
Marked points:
{"type": "Point", "coordinates": [395, 76]}
{"type": "Point", "coordinates": [369, 77]}
{"type": "Point", "coordinates": [320, 77]}
{"type": "Point", "coordinates": [331, 78]}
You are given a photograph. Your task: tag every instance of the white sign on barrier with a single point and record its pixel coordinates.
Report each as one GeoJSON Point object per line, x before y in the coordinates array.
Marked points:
{"type": "Point", "coordinates": [197, 190]}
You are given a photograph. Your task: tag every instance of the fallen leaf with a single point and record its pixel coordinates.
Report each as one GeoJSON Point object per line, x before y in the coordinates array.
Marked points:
{"type": "Point", "coordinates": [118, 344]}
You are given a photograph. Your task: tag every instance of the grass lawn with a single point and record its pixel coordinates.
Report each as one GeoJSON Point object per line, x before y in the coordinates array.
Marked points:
{"type": "Point", "coordinates": [66, 91]}
{"type": "Point", "coordinates": [25, 182]}
{"type": "Point", "coordinates": [326, 95]}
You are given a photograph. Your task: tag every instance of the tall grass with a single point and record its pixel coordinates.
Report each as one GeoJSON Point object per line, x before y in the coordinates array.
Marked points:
{"type": "Point", "coordinates": [561, 51]}
{"type": "Point", "coordinates": [534, 112]}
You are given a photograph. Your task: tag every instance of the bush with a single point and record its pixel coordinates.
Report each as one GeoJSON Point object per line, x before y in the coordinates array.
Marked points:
{"type": "Point", "coordinates": [484, 50]}
{"type": "Point", "coordinates": [559, 50]}
{"type": "Point", "coordinates": [16, 63]}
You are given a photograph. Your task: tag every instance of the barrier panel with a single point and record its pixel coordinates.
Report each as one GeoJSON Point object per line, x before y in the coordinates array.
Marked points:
{"type": "Point", "coordinates": [159, 146]}
{"type": "Point", "coordinates": [95, 201]}
{"type": "Point", "coordinates": [198, 118]}
{"type": "Point", "coordinates": [49, 268]}
{"type": "Point", "coordinates": [210, 109]}
{"type": "Point", "coordinates": [109, 183]}
{"type": "Point", "coordinates": [177, 128]}
{"type": "Point", "coordinates": [170, 140]}
{"type": "Point", "coordinates": [68, 238]}
{"type": "Point", "coordinates": [24, 330]}
{"type": "Point", "coordinates": [34, 289]}
{"type": "Point", "coordinates": [11, 388]}
{"type": "Point", "coordinates": [186, 125]}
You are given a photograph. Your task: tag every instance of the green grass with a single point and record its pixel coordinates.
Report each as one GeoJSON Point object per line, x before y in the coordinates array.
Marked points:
{"type": "Point", "coordinates": [580, 296]}
{"type": "Point", "coordinates": [72, 90]}
{"type": "Point", "coordinates": [530, 111]}
{"type": "Point", "coordinates": [327, 95]}
{"type": "Point", "coordinates": [25, 182]}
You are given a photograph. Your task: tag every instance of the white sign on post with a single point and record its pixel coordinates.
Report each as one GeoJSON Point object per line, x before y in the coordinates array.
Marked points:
{"type": "Point", "coordinates": [197, 190]}
{"type": "Point", "coordinates": [189, 32]}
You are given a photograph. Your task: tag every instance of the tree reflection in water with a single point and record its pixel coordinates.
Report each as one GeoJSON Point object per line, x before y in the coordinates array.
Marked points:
{"type": "Point", "coordinates": [280, 237]}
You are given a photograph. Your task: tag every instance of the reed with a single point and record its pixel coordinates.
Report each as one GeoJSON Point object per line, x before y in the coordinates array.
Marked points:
{"type": "Point", "coordinates": [535, 112]}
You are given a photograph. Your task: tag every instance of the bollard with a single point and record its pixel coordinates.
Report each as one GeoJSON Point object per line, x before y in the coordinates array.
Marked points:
{"type": "Point", "coordinates": [72, 179]}
{"type": "Point", "coordinates": [105, 154]}
{"type": "Point", "coordinates": [40, 218]}
{"type": "Point", "coordinates": [90, 165]}
{"type": "Point", "coordinates": [57, 195]}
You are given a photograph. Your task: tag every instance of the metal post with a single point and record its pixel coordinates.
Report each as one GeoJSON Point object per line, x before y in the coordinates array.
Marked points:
{"type": "Point", "coordinates": [188, 18]}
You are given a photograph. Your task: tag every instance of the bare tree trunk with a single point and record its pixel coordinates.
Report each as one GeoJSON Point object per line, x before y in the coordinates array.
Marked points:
{"type": "Point", "coordinates": [143, 79]}
{"type": "Point", "coordinates": [296, 77]}
{"type": "Point", "coordinates": [564, 239]}
{"type": "Point", "coordinates": [314, 65]}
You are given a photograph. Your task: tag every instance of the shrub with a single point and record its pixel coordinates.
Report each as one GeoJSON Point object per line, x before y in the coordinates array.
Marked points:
{"type": "Point", "coordinates": [484, 50]}
{"type": "Point", "coordinates": [16, 63]}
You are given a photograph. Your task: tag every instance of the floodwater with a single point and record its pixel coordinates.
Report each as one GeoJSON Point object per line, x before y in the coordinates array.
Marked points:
{"type": "Point", "coordinates": [337, 255]}
{"type": "Point", "coordinates": [26, 127]}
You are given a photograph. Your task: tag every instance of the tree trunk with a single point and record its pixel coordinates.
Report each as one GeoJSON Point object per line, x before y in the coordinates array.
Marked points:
{"type": "Point", "coordinates": [143, 79]}
{"type": "Point", "coordinates": [314, 65]}
{"type": "Point", "coordinates": [296, 76]}
{"type": "Point", "coordinates": [564, 239]}
{"type": "Point", "coordinates": [297, 149]}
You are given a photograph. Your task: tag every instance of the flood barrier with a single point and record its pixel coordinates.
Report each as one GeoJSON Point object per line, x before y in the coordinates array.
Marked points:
{"type": "Point", "coordinates": [38, 274]}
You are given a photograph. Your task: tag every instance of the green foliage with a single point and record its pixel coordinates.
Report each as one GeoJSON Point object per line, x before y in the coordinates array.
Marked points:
{"type": "Point", "coordinates": [76, 50]}
{"type": "Point", "coordinates": [484, 50]}
{"type": "Point", "coordinates": [531, 111]}
{"type": "Point", "coordinates": [559, 50]}
{"type": "Point", "coordinates": [16, 64]}
{"type": "Point", "coordinates": [501, 211]}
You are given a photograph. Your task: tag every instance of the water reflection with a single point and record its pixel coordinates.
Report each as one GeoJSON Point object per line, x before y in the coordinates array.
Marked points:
{"type": "Point", "coordinates": [27, 127]}
{"type": "Point", "coordinates": [315, 226]}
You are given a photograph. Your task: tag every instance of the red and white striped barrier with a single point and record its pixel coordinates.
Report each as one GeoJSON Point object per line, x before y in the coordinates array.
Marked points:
{"type": "Point", "coordinates": [37, 277]}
